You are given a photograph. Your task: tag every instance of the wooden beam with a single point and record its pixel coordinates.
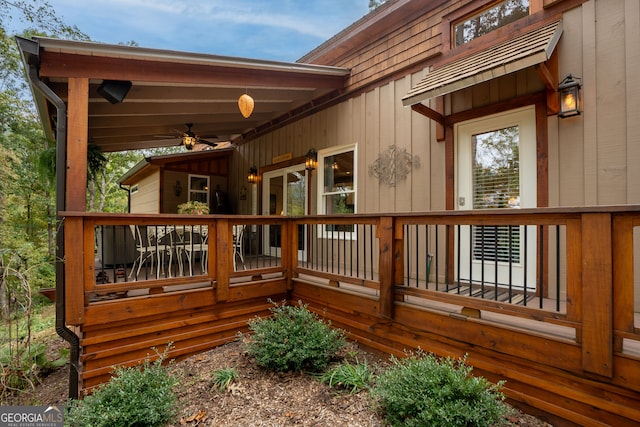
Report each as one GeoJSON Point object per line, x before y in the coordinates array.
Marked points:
{"type": "Point", "coordinates": [548, 72]}
{"type": "Point", "coordinates": [428, 112]}
{"type": "Point", "coordinates": [77, 141]}
{"type": "Point", "coordinates": [55, 64]}
{"type": "Point", "coordinates": [435, 115]}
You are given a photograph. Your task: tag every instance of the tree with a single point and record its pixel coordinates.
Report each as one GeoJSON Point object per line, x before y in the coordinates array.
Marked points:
{"type": "Point", "coordinates": [374, 4]}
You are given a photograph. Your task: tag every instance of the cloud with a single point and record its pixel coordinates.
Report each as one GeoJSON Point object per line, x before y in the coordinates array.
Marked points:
{"type": "Point", "coordinates": [269, 29]}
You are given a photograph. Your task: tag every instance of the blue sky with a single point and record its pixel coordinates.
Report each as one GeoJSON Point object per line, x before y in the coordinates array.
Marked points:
{"type": "Point", "coordinates": [282, 30]}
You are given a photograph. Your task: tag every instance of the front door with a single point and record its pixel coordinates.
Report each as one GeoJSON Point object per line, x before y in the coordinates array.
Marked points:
{"type": "Point", "coordinates": [284, 193]}
{"type": "Point", "coordinates": [496, 169]}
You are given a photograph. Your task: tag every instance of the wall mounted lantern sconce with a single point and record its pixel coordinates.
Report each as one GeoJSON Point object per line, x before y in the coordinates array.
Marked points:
{"type": "Point", "coordinates": [311, 160]}
{"type": "Point", "coordinates": [178, 188]}
{"type": "Point", "coordinates": [569, 93]}
{"type": "Point", "coordinates": [252, 178]}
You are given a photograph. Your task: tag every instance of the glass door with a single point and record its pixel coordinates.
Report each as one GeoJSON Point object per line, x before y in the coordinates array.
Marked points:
{"type": "Point", "coordinates": [496, 169]}
{"type": "Point", "coordinates": [284, 193]}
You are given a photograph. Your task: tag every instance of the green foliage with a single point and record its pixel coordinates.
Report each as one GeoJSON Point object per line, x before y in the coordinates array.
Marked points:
{"type": "Point", "coordinates": [422, 390]}
{"type": "Point", "coordinates": [222, 378]}
{"type": "Point", "coordinates": [139, 396]}
{"type": "Point", "coordinates": [293, 339]}
{"type": "Point", "coordinates": [193, 207]}
{"type": "Point", "coordinates": [22, 363]}
{"type": "Point", "coordinates": [352, 377]}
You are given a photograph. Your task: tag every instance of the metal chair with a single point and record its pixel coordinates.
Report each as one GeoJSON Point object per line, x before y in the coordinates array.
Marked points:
{"type": "Point", "coordinates": [238, 249]}
{"type": "Point", "coordinates": [195, 240]}
{"type": "Point", "coordinates": [152, 244]}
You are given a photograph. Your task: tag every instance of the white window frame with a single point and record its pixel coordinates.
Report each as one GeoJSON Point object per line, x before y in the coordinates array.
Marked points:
{"type": "Point", "coordinates": [322, 207]}
{"type": "Point", "coordinates": [198, 191]}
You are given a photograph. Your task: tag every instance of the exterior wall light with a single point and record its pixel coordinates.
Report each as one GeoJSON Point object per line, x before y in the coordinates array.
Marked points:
{"type": "Point", "coordinates": [252, 178]}
{"type": "Point", "coordinates": [569, 94]}
{"type": "Point", "coordinates": [311, 160]}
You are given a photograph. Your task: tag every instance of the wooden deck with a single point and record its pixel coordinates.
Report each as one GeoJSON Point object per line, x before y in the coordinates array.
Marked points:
{"type": "Point", "coordinates": [571, 353]}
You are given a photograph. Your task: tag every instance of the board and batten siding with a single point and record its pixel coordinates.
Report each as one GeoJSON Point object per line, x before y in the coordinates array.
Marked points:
{"type": "Point", "coordinates": [374, 120]}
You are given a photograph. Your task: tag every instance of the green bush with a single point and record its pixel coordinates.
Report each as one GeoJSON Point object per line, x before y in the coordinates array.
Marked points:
{"type": "Point", "coordinates": [349, 376]}
{"type": "Point", "coordinates": [293, 339]}
{"type": "Point", "coordinates": [139, 396]}
{"type": "Point", "coordinates": [422, 390]}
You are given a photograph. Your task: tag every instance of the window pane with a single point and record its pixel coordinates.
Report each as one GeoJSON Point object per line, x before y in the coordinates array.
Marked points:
{"type": "Point", "coordinates": [339, 203]}
{"type": "Point", "coordinates": [496, 169]}
{"type": "Point", "coordinates": [488, 20]}
{"type": "Point", "coordinates": [338, 172]}
{"type": "Point", "coordinates": [496, 184]}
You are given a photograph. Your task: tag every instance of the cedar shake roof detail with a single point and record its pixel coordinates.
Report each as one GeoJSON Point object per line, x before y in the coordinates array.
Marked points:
{"type": "Point", "coordinates": [526, 50]}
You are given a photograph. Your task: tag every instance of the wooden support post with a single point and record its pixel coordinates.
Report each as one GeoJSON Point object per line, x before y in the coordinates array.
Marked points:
{"type": "Point", "coordinates": [386, 266]}
{"type": "Point", "coordinates": [597, 292]}
{"type": "Point", "coordinates": [74, 276]}
{"type": "Point", "coordinates": [77, 142]}
{"type": "Point", "coordinates": [224, 243]}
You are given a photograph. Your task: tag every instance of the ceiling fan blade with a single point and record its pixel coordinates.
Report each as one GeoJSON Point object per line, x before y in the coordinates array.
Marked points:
{"type": "Point", "coordinates": [209, 143]}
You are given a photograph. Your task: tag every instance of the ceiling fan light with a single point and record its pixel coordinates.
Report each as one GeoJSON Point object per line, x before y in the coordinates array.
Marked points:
{"type": "Point", "coordinates": [245, 103]}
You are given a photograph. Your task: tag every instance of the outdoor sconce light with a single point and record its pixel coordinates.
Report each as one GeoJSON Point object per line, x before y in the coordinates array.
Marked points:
{"type": "Point", "coordinates": [178, 188]}
{"type": "Point", "coordinates": [569, 93]}
{"type": "Point", "coordinates": [252, 178]}
{"type": "Point", "coordinates": [311, 160]}
{"type": "Point", "coordinates": [189, 138]}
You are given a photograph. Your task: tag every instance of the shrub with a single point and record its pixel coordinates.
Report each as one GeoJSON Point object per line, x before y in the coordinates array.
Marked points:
{"type": "Point", "coordinates": [222, 378]}
{"type": "Point", "coordinates": [353, 377]}
{"type": "Point", "coordinates": [293, 339]}
{"type": "Point", "coordinates": [423, 390]}
{"type": "Point", "coordinates": [137, 396]}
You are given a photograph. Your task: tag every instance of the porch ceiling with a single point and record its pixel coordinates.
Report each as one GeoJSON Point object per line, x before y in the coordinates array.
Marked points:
{"type": "Point", "coordinates": [170, 89]}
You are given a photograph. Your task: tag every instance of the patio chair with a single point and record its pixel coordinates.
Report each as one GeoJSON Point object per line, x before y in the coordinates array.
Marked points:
{"type": "Point", "coordinates": [238, 250]}
{"type": "Point", "coordinates": [153, 243]}
{"type": "Point", "coordinates": [195, 240]}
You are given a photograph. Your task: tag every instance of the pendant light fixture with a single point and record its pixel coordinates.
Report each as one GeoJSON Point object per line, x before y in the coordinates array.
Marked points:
{"type": "Point", "coordinates": [245, 103]}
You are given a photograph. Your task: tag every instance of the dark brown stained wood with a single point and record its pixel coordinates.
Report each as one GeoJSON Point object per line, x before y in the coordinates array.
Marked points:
{"type": "Point", "coordinates": [77, 142]}
{"type": "Point", "coordinates": [386, 266]}
{"type": "Point", "coordinates": [597, 294]}
{"type": "Point", "coordinates": [73, 270]}
{"type": "Point", "coordinates": [429, 113]}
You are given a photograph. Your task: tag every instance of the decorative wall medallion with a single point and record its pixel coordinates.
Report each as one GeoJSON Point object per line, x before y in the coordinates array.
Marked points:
{"type": "Point", "coordinates": [393, 165]}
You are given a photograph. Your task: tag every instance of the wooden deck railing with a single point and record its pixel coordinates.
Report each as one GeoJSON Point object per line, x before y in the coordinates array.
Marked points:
{"type": "Point", "coordinates": [546, 299]}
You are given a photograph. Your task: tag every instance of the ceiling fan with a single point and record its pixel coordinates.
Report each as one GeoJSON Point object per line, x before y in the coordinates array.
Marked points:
{"type": "Point", "coordinates": [190, 139]}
